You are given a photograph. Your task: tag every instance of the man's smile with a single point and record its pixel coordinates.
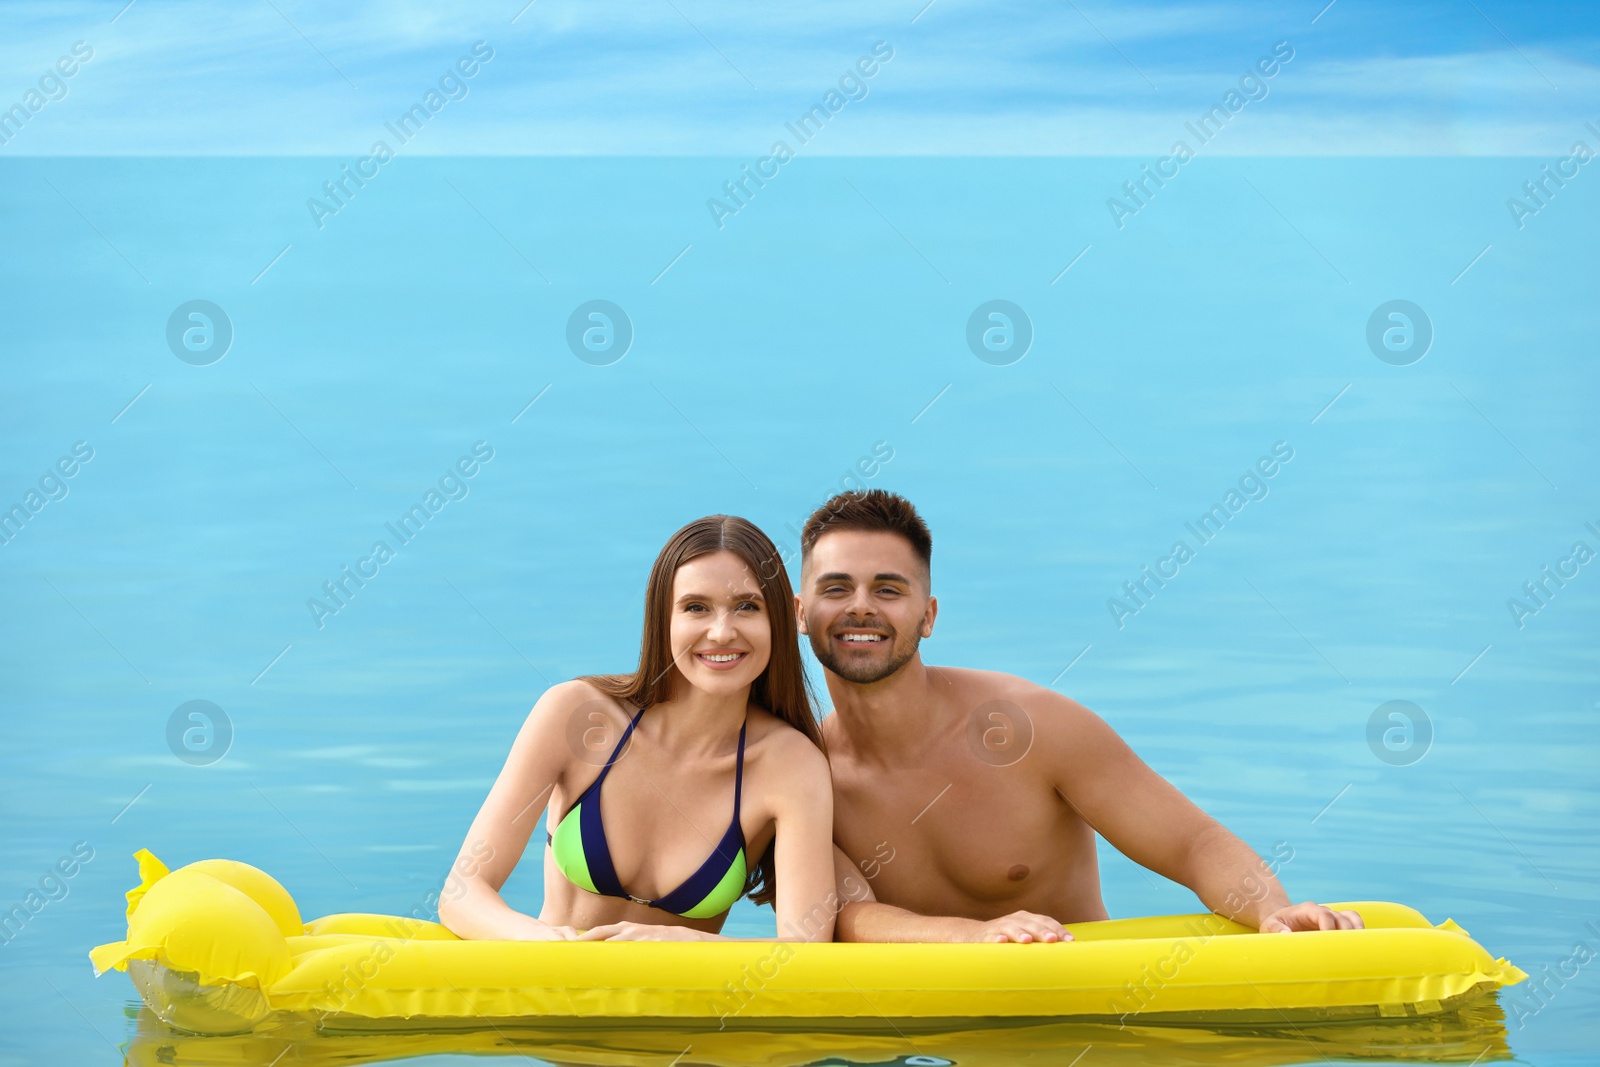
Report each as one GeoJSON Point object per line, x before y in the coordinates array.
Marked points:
{"type": "Point", "coordinates": [862, 638]}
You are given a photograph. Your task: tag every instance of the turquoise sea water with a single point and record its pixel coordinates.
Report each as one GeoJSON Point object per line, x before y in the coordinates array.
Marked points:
{"type": "Point", "coordinates": [825, 322]}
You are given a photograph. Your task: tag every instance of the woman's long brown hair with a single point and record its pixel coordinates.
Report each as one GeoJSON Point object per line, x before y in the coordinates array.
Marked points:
{"type": "Point", "coordinates": [782, 689]}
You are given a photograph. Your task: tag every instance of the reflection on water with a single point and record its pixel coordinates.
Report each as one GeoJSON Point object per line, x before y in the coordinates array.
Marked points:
{"type": "Point", "coordinates": [1474, 1034]}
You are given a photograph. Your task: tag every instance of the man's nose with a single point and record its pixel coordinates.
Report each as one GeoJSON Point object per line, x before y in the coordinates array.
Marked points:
{"type": "Point", "coordinates": [860, 606]}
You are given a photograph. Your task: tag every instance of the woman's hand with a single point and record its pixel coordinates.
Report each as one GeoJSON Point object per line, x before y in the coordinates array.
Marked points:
{"type": "Point", "coordinates": [643, 932]}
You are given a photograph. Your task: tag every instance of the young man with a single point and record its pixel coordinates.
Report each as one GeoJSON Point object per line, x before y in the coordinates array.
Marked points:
{"type": "Point", "coordinates": [966, 802]}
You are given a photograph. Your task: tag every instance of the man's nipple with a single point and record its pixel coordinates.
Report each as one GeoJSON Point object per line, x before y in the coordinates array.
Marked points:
{"type": "Point", "coordinates": [1018, 872]}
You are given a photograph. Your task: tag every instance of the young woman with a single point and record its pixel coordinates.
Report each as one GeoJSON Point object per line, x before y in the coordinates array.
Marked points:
{"type": "Point", "coordinates": [675, 790]}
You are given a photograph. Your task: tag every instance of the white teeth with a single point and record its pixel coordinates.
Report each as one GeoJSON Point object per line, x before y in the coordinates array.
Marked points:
{"type": "Point", "coordinates": [722, 657]}
{"type": "Point", "coordinates": [862, 638]}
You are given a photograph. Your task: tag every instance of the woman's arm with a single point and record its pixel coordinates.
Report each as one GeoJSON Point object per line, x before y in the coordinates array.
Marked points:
{"type": "Point", "coordinates": [471, 905]}
{"type": "Point", "coordinates": [808, 902]}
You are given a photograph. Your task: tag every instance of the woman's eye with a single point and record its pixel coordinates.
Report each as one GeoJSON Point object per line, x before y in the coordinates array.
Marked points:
{"type": "Point", "coordinates": [752, 605]}
{"type": "Point", "coordinates": [694, 607]}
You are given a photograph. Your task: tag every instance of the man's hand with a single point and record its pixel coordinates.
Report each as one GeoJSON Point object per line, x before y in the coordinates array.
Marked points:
{"type": "Point", "coordinates": [626, 931]}
{"type": "Point", "coordinates": [1021, 927]}
{"type": "Point", "coordinates": [1309, 916]}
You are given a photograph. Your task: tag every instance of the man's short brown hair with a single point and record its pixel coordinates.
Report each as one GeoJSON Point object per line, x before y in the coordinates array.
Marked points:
{"type": "Point", "coordinates": [872, 510]}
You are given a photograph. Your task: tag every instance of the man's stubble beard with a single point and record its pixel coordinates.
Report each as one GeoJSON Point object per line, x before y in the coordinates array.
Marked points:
{"type": "Point", "coordinates": [822, 648]}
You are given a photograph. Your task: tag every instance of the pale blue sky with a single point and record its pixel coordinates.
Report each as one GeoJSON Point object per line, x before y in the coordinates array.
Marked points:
{"type": "Point", "coordinates": [1067, 77]}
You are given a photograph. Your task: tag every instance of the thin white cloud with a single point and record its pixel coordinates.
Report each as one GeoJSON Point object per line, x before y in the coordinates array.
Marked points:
{"type": "Point", "coordinates": [622, 79]}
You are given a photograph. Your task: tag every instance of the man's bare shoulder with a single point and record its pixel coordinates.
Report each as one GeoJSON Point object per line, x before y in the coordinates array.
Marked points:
{"type": "Point", "coordinates": [1049, 715]}
{"type": "Point", "coordinates": [971, 683]}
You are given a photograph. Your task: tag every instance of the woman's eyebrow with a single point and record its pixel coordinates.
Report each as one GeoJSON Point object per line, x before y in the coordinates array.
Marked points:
{"type": "Point", "coordinates": [753, 595]}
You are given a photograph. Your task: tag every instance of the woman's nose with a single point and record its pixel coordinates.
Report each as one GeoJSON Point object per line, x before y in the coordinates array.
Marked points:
{"type": "Point", "coordinates": [721, 626]}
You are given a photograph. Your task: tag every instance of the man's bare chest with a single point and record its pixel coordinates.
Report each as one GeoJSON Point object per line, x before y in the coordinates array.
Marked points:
{"type": "Point", "coordinates": [955, 839]}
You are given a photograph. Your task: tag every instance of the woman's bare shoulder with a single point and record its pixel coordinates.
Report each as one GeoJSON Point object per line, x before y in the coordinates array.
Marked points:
{"type": "Point", "coordinates": [575, 693]}
{"type": "Point", "coordinates": [785, 745]}
{"type": "Point", "coordinates": [577, 703]}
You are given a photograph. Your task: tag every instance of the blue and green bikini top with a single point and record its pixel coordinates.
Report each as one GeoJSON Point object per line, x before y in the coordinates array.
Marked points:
{"type": "Point", "coordinates": [582, 855]}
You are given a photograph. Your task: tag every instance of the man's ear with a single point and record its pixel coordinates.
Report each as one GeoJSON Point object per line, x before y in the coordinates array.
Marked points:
{"type": "Point", "coordinates": [800, 614]}
{"type": "Point", "coordinates": [928, 615]}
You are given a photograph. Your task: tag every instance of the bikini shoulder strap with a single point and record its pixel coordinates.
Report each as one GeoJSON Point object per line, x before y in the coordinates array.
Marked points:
{"type": "Point", "coordinates": [738, 771]}
{"type": "Point", "coordinates": [617, 751]}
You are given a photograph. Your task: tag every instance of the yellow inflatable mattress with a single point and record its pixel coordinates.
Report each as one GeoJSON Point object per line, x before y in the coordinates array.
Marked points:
{"type": "Point", "coordinates": [219, 947]}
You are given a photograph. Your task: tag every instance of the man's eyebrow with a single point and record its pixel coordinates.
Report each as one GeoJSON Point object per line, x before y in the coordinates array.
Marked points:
{"type": "Point", "coordinates": [886, 576]}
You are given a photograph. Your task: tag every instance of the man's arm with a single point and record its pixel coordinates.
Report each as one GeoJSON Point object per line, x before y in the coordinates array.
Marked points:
{"type": "Point", "coordinates": [1148, 820]}
{"type": "Point", "coordinates": [1225, 869]}
{"type": "Point", "coordinates": [863, 918]}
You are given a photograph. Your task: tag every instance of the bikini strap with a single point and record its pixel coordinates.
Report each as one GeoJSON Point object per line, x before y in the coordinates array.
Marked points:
{"type": "Point", "coordinates": [617, 751]}
{"type": "Point", "coordinates": [592, 831]}
{"type": "Point", "coordinates": [738, 773]}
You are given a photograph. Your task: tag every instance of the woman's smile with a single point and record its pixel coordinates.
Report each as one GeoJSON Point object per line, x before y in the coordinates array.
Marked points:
{"type": "Point", "coordinates": [721, 659]}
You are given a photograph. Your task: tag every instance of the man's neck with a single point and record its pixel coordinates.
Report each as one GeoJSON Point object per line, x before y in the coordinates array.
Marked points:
{"type": "Point", "coordinates": [886, 720]}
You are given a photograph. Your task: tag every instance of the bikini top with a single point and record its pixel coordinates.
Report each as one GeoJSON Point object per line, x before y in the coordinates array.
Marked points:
{"type": "Point", "coordinates": [582, 855]}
